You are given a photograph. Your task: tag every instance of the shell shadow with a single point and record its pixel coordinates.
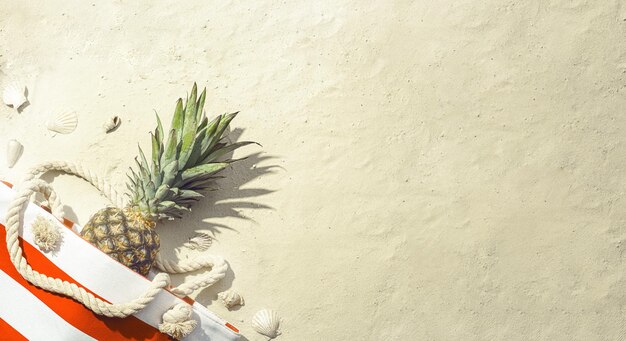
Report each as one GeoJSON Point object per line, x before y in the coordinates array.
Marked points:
{"type": "Point", "coordinates": [25, 104]}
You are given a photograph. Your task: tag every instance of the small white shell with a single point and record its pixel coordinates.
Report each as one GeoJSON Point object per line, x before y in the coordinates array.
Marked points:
{"type": "Point", "coordinates": [266, 322]}
{"type": "Point", "coordinates": [201, 242]}
{"type": "Point", "coordinates": [14, 95]}
{"type": "Point", "coordinates": [64, 123]}
{"type": "Point", "coordinates": [14, 151]}
{"type": "Point", "coordinates": [230, 298]}
{"type": "Point", "coordinates": [112, 124]}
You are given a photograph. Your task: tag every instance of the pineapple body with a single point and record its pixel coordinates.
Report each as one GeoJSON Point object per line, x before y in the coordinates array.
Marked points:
{"type": "Point", "coordinates": [125, 235]}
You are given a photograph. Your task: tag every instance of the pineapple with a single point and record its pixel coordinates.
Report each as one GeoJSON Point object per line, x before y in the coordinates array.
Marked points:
{"type": "Point", "coordinates": [181, 168]}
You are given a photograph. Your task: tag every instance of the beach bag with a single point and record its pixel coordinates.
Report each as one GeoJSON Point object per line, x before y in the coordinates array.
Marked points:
{"type": "Point", "coordinates": [96, 297]}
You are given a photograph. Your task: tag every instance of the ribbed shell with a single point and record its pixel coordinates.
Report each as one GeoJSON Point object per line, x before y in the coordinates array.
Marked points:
{"type": "Point", "coordinates": [266, 322]}
{"type": "Point", "coordinates": [64, 123]}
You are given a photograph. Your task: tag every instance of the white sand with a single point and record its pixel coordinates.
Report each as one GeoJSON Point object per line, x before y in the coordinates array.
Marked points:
{"type": "Point", "coordinates": [437, 171]}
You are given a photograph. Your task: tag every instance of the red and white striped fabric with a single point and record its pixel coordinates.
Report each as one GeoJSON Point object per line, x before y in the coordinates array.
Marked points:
{"type": "Point", "coordinates": [30, 313]}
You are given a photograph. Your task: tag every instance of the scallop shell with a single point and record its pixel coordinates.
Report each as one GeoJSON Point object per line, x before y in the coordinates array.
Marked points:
{"type": "Point", "coordinates": [64, 123]}
{"type": "Point", "coordinates": [230, 298]}
{"type": "Point", "coordinates": [14, 95]}
{"type": "Point", "coordinates": [266, 322]}
{"type": "Point", "coordinates": [112, 123]}
{"type": "Point", "coordinates": [14, 151]}
{"type": "Point", "coordinates": [201, 242]}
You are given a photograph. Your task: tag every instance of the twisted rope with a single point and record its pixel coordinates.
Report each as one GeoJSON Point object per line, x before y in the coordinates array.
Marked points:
{"type": "Point", "coordinates": [218, 270]}
{"type": "Point", "coordinates": [177, 321]}
{"type": "Point", "coordinates": [79, 170]}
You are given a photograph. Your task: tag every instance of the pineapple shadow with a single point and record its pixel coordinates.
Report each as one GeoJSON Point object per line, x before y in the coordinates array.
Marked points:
{"type": "Point", "coordinates": [225, 202]}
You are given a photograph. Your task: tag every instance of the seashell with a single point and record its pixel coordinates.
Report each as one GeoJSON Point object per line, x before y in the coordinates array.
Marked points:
{"type": "Point", "coordinates": [64, 123]}
{"type": "Point", "coordinates": [201, 242]}
{"type": "Point", "coordinates": [14, 151]}
{"type": "Point", "coordinates": [112, 123]}
{"type": "Point", "coordinates": [266, 322]}
{"type": "Point", "coordinates": [230, 298]}
{"type": "Point", "coordinates": [14, 95]}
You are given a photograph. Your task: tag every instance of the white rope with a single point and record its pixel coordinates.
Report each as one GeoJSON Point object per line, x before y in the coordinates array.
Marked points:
{"type": "Point", "coordinates": [79, 170]}
{"type": "Point", "coordinates": [177, 321]}
{"type": "Point", "coordinates": [218, 270]}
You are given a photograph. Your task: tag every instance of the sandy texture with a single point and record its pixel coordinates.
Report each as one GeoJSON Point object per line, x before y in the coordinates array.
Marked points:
{"type": "Point", "coordinates": [441, 170]}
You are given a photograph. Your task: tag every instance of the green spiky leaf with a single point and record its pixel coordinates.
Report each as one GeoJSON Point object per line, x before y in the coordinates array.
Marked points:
{"type": "Point", "coordinates": [170, 151]}
{"type": "Point", "coordinates": [225, 150]}
{"type": "Point", "coordinates": [159, 129]}
{"type": "Point", "coordinates": [189, 134]}
{"type": "Point", "coordinates": [183, 163]}
{"type": "Point", "coordinates": [200, 106]}
{"type": "Point", "coordinates": [202, 170]}
{"type": "Point", "coordinates": [189, 194]}
{"type": "Point", "coordinates": [179, 119]}
{"type": "Point", "coordinates": [169, 172]}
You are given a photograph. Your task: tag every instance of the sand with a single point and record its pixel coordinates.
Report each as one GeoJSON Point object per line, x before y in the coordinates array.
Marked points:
{"type": "Point", "coordinates": [430, 170]}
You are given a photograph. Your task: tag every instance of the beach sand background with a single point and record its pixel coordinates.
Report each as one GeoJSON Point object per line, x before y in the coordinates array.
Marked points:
{"type": "Point", "coordinates": [430, 170]}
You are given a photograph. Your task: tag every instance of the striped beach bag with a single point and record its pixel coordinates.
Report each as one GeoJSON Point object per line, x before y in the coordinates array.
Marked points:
{"type": "Point", "coordinates": [144, 308]}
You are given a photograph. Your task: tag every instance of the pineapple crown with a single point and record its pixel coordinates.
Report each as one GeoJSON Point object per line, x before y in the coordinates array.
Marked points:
{"type": "Point", "coordinates": [184, 164]}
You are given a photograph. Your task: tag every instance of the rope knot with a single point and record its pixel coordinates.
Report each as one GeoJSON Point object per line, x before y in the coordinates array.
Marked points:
{"type": "Point", "coordinates": [177, 321]}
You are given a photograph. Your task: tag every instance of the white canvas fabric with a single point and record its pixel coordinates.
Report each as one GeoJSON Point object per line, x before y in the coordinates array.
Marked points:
{"type": "Point", "coordinates": [31, 317]}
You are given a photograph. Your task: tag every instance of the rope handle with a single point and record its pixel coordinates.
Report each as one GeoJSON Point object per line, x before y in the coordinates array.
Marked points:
{"type": "Point", "coordinates": [177, 321]}
{"type": "Point", "coordinates": [79, 170]}
{"type": "Point", "coordinates": [218, 271]}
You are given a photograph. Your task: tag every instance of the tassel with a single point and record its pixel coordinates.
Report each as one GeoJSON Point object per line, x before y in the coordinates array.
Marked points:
{"type": "Point", "coordinates": [47, 234]}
